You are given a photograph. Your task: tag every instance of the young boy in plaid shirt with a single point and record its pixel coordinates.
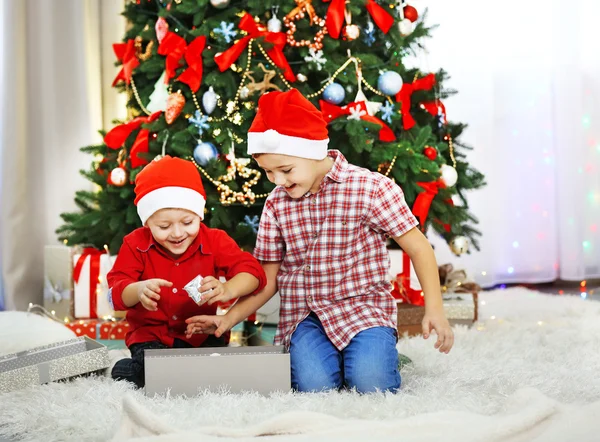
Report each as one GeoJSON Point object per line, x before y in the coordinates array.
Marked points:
{"type": "Point", "coordinates": [321, 242]}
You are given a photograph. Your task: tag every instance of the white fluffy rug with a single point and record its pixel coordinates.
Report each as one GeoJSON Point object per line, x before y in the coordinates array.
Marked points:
{"type": "Point", "coordinates": [529, 374]}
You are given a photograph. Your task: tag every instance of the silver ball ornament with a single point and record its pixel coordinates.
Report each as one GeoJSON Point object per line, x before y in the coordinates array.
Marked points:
{"type": "Point", "coordinates": [352, 32]}
{"type": "Point", "coordinates": [204, 152]}
{"type": "Point", "coordinates": [459, 245]}
{"type": "Point", "coordinates": [219, 4]}
{"type": "Point", "coordinates": [118, 176]}
{"type": "Point", "coordinates": [334, 93]}
{"type": "Point", "coordinates": [389, 83]}
{"type": "Point", "coordinates": [449, 175]}
{"type": "Point", "coordinates": [405, 27]}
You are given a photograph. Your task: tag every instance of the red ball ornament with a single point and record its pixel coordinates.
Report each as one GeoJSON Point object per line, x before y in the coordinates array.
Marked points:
{"type": "Point", "coordinates": [430, 153]}
{"type": "Point", "coordinates": [410, 13]}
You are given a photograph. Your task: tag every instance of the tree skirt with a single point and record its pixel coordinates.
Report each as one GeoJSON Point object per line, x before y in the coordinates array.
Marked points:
{"type": "Point", "coordinates": [530, 373]}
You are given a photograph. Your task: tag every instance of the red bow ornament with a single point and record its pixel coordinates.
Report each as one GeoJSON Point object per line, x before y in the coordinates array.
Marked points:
{"type": "Point", "coordinates": [175, 47]}
{"type": "Point", "coordinates": [426, 83]}
{"type": "Point", "coordinates": [118, 134]}
{"type": "Point", "coordinates": [335, 16]}
{"type": "Point", "coordinates": [255, 30]}
{"type": "Point", "coordinates": [436, 108]}
{"type": "Point", "coordinates": [356, 111]}
{"type": "Point", "coordinates": [424, 200]}
{"type": "Point", "coordinates": [125, 52]}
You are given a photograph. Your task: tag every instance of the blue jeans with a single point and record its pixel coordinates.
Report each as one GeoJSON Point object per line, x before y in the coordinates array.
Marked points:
{"type": "Point", "coordinates": [369, 363]}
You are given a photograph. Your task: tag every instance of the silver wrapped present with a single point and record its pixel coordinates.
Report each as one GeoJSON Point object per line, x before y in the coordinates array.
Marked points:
{"type": "Point", "coordinates": [51, 363]}
{"type": "Point", "coordinates": [192, 288]}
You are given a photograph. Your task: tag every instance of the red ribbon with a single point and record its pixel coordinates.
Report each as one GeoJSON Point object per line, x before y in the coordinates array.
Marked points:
{"type": "Point", "coordinates": [175, 47]}
{"type": "Point", "coordinates": [118, 134]}
{"type": "Point", "coordinates": [125, 52]}
{"type": "Point", "coordinates": [425, 83]}
{"type": "Point", "coordinates": [94, 255]}
{"type": "Point", "coordinates": [402, 289]}
{"type": "Point", "coordinates": [435, 108]}
{"type": "Point", "coordinates": [335, 16]}
{"type": "Point", "coordinates": [331, 112]}
{"type": "Point", "coordinates": [380, 16]}
{"type": "Point", "coordinates": [254, 30]}
{"type": "Point", "coordinates": [424, 200]}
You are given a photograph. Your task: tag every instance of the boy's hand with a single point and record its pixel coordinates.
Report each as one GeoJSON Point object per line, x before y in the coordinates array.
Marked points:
{"type": "Point", "coordinates": [148, 292]}
{"type": "Point", "coordinates": [437, 321]}
{"type": "Point", "coordinates": [208, 324]}
{"type": "Point", "coordinates": [214, 290]}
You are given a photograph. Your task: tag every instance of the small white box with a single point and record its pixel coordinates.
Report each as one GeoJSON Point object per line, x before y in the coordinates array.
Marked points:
{"type": "Point", "coordinates": [58, 281]}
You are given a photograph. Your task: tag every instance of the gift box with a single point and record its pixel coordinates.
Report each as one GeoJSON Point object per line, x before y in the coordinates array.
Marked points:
{"type": "Point", "coordinates": [406, 284]}
{"type": "Point", "coordinates": [58, 281]}
{"type": "Point", "coordinates": [186, 371]}
{"type": "Point", "coordinates": [459, 309]}
{"type": "Point", "coordinates": [90, 288]}
{"type": "Point", "coordinates": [88, 328]}
{"type": "Point", "coordinates": [109, 333]}
{"type": "Point", "coordinates": [52, 363]}
{"type": "Point", "coordinates": [460, 298]}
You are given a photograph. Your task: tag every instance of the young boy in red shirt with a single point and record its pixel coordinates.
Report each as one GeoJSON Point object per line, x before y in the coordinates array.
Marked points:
{"type": "Point", "coordinates": [157, 261]}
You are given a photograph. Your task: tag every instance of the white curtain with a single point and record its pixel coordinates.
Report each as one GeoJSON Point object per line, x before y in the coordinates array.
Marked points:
{"type": "Point", "coordinates": [528, 76]}
{"type": "Point", "coordinates": [55, 94]}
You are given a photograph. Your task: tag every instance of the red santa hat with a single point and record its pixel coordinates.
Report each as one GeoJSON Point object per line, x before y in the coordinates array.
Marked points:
{"type": "Point", "coordinates": [169, 183]}
{"type": "Point", "coordinates": [288, 124]}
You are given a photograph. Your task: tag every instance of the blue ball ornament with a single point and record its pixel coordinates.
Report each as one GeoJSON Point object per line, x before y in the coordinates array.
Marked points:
{"type": "Point", "coordinates": [389, 83]}
{"type": "Point", "coordinates": [334, 93]}
{"type": "Point", "coordinates": [204, 152]}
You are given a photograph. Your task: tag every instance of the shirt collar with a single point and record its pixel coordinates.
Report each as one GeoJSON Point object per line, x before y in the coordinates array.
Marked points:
{"type": "Point", "coordinates": [339, 170]}
{"type": "Point", "coordinates": [199, 243]}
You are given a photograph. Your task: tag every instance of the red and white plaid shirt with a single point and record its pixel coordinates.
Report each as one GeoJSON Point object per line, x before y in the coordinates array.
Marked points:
{"type": "Point", "coordinates": [331, 245]}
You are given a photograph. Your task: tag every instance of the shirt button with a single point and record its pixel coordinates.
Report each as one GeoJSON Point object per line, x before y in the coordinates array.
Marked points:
{"type": "Point", "coordinates": [174, 318]}
{"type": "Point", "coordinates": [307, 267]}
{"type": "Point", "coordinates": [176, 264]}
{"type": "Point", "coordinates": [315, 234]}
{"type": "Point", "coordinates": [174, 290]}
{"type": "Point", "coordinates": [309, 299]}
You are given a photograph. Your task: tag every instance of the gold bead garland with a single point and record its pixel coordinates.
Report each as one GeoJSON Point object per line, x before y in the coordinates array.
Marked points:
{"type": "Point", "coordinates": [227, 195]}
{"type": "Point", "coordinates": [137, 98]}
{"type": "Point", "coordinates": [448, 138]}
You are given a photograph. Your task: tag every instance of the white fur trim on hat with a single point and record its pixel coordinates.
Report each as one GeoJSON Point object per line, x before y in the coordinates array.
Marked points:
{"type": "Point", "coordinates": [272, 141]}
{"type": "Point", "coordinates": [170, 198]}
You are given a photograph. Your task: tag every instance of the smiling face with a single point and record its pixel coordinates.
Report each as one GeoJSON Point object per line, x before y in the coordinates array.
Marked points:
{"type": "Point", "coordinates": [174, 229]}
{"type": "Point", "coordinates": [296, 175]}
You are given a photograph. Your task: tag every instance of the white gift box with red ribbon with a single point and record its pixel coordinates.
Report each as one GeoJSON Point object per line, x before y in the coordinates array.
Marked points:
{"type": "Point", "coordinates": [402, 268]}
{"type": "Point", "coordinates": [90, 288]}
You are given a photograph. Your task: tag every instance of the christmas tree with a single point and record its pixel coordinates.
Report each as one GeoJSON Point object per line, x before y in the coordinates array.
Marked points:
{"type": "Point", "coordinates": [193, 71]}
